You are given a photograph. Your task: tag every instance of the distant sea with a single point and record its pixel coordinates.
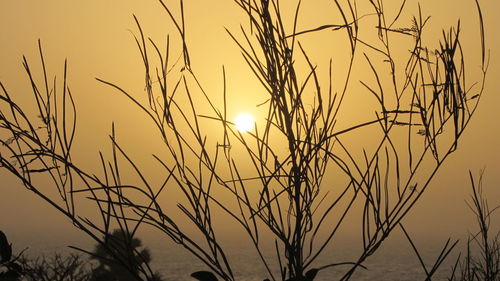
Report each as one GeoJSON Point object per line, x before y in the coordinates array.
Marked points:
{"type": "Point", "coordinates": [392, 262]}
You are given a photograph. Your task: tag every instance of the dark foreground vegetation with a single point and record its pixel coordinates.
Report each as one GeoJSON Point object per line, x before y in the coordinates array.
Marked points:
{"type": "Point", "coordinates": [100, 266]}
{"type": "Point", "coordinates": [479, 261]}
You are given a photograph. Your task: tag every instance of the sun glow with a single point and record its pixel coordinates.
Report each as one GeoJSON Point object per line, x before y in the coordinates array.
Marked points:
{"type": "Point", "coordinates": [244, 122]}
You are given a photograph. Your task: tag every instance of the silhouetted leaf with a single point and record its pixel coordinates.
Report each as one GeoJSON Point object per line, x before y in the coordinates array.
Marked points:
{"type": "Point", "coordinates": [5, 248]}
{"type": "Point", "coordinates": [16, 269]}
{"type": "Point", "coordinates": [9, 276]}
{"type": "Point", "coordinates": [311, 274]}
{"type": "Point", "coordinates": [204, 276]}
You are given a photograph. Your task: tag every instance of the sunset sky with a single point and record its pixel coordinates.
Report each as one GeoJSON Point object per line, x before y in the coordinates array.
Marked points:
{"type": "Point", "coordinates": [96, 37]}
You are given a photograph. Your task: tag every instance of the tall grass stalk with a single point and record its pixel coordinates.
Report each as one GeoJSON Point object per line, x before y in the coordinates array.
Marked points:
{"type": "Point", "coordinates": [482, 257]}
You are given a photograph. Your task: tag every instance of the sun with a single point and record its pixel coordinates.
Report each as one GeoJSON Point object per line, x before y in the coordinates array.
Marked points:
{"type": "Point", "coordinates": [244, 122]}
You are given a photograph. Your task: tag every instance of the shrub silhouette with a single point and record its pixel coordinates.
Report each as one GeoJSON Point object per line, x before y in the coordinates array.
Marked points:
{"type": "Point", "coordinates": [10, 269]}
{"type": "Point", "coordinates": [56, 267]}
{"type": "Point", "coordinates": [120, 258]}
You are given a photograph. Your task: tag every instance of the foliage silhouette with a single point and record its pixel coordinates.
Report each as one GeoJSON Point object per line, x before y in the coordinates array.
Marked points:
{"type": "Point", "coordinates": [485, 264]}
{"type": "Point", "coordinates": [204, 276]}
{"type": "Point", "coordinates": [56, 268]}
{"type": "Point", "coordinates": [11, 269]}
{"type": "Point", "coordinates": [422, 109]}
{"type": "Point", "coordinates": [122, 246]}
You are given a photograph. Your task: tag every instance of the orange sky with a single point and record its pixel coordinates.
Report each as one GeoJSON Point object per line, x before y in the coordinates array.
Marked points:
{"type": "Point", "coordinates": [95, 37]}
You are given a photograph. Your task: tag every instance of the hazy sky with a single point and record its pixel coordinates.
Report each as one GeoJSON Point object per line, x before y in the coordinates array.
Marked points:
{"type": "Point", "coordinates": [95, 36]}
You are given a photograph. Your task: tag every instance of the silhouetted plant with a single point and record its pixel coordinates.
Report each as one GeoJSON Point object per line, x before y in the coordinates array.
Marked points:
{"type": "Point", "coordinates": [120, 258]}
{"type": "Point", "coordinates": [53, 268]}
{"type": "Point", "coordinates": [482, 258]}
{"type": "Point", "coordinates": [56, 267]}
{"type": "Point", "coordinates": [10, 268]}
{"type": "Point", "coordinates": [422, 111]}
